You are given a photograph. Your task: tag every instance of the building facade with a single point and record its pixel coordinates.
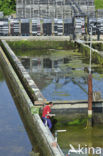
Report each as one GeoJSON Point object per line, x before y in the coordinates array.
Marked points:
{"type": "Point", "coordinates": [53, 8]}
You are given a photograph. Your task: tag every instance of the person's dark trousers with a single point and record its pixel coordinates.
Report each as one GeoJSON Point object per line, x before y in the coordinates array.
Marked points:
{"type": "Point", "coordinates": [48, 122]}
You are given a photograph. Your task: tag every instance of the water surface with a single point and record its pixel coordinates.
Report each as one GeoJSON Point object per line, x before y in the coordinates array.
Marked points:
{"type": "Point", "coordinates": [77, 135]}
{"type": "Point", "coordinates": [13, 137]}
{"type": "Point", "coordinates": [63, 75]}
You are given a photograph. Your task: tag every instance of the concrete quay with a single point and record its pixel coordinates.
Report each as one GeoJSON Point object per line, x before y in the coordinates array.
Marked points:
{"type": "Point", "coordinates": [37, 132]}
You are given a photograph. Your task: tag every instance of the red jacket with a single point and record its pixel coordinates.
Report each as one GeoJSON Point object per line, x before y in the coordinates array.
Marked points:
{"type": "Point", "coordinates": [46, 110]}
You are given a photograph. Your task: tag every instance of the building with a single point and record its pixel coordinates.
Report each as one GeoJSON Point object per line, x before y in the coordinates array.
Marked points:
{"type": "Point", "coordinates": [50, 9]}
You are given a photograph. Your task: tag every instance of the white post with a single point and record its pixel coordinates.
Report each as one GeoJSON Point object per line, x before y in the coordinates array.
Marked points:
{"type": "Point", "coordinates": [90, 51]}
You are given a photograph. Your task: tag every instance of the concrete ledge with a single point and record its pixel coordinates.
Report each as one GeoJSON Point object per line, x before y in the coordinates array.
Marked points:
{"type": "Point", "coordinates": [87, 46]}
{"type": "Point", "coordinates": [30, 86]}
{"type": "Point", "coordinates": [38, 132]}
{"type": "Point", "coordinates": [36, 38]}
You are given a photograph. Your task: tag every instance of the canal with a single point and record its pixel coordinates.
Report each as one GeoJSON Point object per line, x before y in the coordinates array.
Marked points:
{"type": "Point", "coordinates": [62, 75]}
{"type": "Point", "coordinates": [60, 69]}
{"type": "Point", "coordinates": [13, 137]}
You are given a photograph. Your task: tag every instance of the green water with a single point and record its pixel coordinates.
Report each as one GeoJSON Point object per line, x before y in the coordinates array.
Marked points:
{"type": "Point", "coordinates": [80, 135]}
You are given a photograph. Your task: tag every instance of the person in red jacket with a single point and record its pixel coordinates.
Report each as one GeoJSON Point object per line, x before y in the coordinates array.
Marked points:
{"type": "Point", "coordinates": [46, 115]}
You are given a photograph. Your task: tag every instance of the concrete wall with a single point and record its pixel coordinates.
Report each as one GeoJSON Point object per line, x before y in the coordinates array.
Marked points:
{"type": "Point", "coordinates": [37, 131]}
{"type": "Point", "coordinates": [36, 38]}
{"type": "Point", "coordinates": [30, 86]}
{"type": "Point", "coordinates": [26, 79]}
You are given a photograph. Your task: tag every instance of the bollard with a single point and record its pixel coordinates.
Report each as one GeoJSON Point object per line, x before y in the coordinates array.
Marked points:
{"type": "Point", "coordinates": [89, 122]}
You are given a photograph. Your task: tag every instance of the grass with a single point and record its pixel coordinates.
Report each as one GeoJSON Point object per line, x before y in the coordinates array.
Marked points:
{"type": "Point", "coordinates": [40, 45]}
{"type": "Point", "coordinates": [99, 4]}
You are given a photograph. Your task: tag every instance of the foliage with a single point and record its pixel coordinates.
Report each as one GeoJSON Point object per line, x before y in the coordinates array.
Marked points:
{"type": "Point", "coordinates": [38, 45]}
{"type": "Point", "coordinates": [33, 48]}
{"type": "Point", "coordinates": [96, 58]}
{"type": "Point", "coordinates": [8, 6]}
{"type": "Point", "coordinates": [98, 46]}
{"type": "Point", "coordinates": [78, 122]}
{"type": "Point", "coordinates": [99, 4]}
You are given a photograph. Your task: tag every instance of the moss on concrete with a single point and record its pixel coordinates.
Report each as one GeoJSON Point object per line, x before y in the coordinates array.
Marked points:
{"type": "Point", "coordinates": [68, 120]}
{"type": "Point", "coordinates": [1, 76]}
{"type": "Point", "coordinates": [96, 58]}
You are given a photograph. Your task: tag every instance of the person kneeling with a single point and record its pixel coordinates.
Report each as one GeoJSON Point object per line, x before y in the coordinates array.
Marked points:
{"type": "Point", "coordinates": [46, 115]}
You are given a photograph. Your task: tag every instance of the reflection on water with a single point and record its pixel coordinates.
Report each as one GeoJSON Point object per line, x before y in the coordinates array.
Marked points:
{"type": "Point", "coordinates": [62, 75]}
{"type": "Point", "coordinates": [13, 138]}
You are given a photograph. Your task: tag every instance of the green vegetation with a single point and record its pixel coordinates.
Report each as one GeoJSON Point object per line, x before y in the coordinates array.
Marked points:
{"type": "Point", "coordinates": [35, 110]}
{"type": "Point", "coordinates": [98, 46]}
{"type": "Point", "coordinates": [68, 120]}
{"type": "Point", "coordinates": [8, 6]}
{"type": "Point", "coordinates": [99, 4]}
{"type": "Point", "coordinates": [80, 121]}
{"type": "Point", "coordinates": [96, 58]}
{"type": "Point", "coordinates": [39, 47]}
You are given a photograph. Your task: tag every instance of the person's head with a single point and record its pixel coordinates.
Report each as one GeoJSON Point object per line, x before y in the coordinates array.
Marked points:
{"type": "Point", "coordinates": [50, 104]}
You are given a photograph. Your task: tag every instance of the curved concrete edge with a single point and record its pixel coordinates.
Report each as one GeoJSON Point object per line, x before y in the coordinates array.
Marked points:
{"type": "Point", "coordinates": [41, 134]}
{"type": "Point", "coordinates": [24, 74]}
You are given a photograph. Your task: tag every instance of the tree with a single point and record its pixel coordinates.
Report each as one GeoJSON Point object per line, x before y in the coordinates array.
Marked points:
{"type": "Point", "coordinates": [8, 6]}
